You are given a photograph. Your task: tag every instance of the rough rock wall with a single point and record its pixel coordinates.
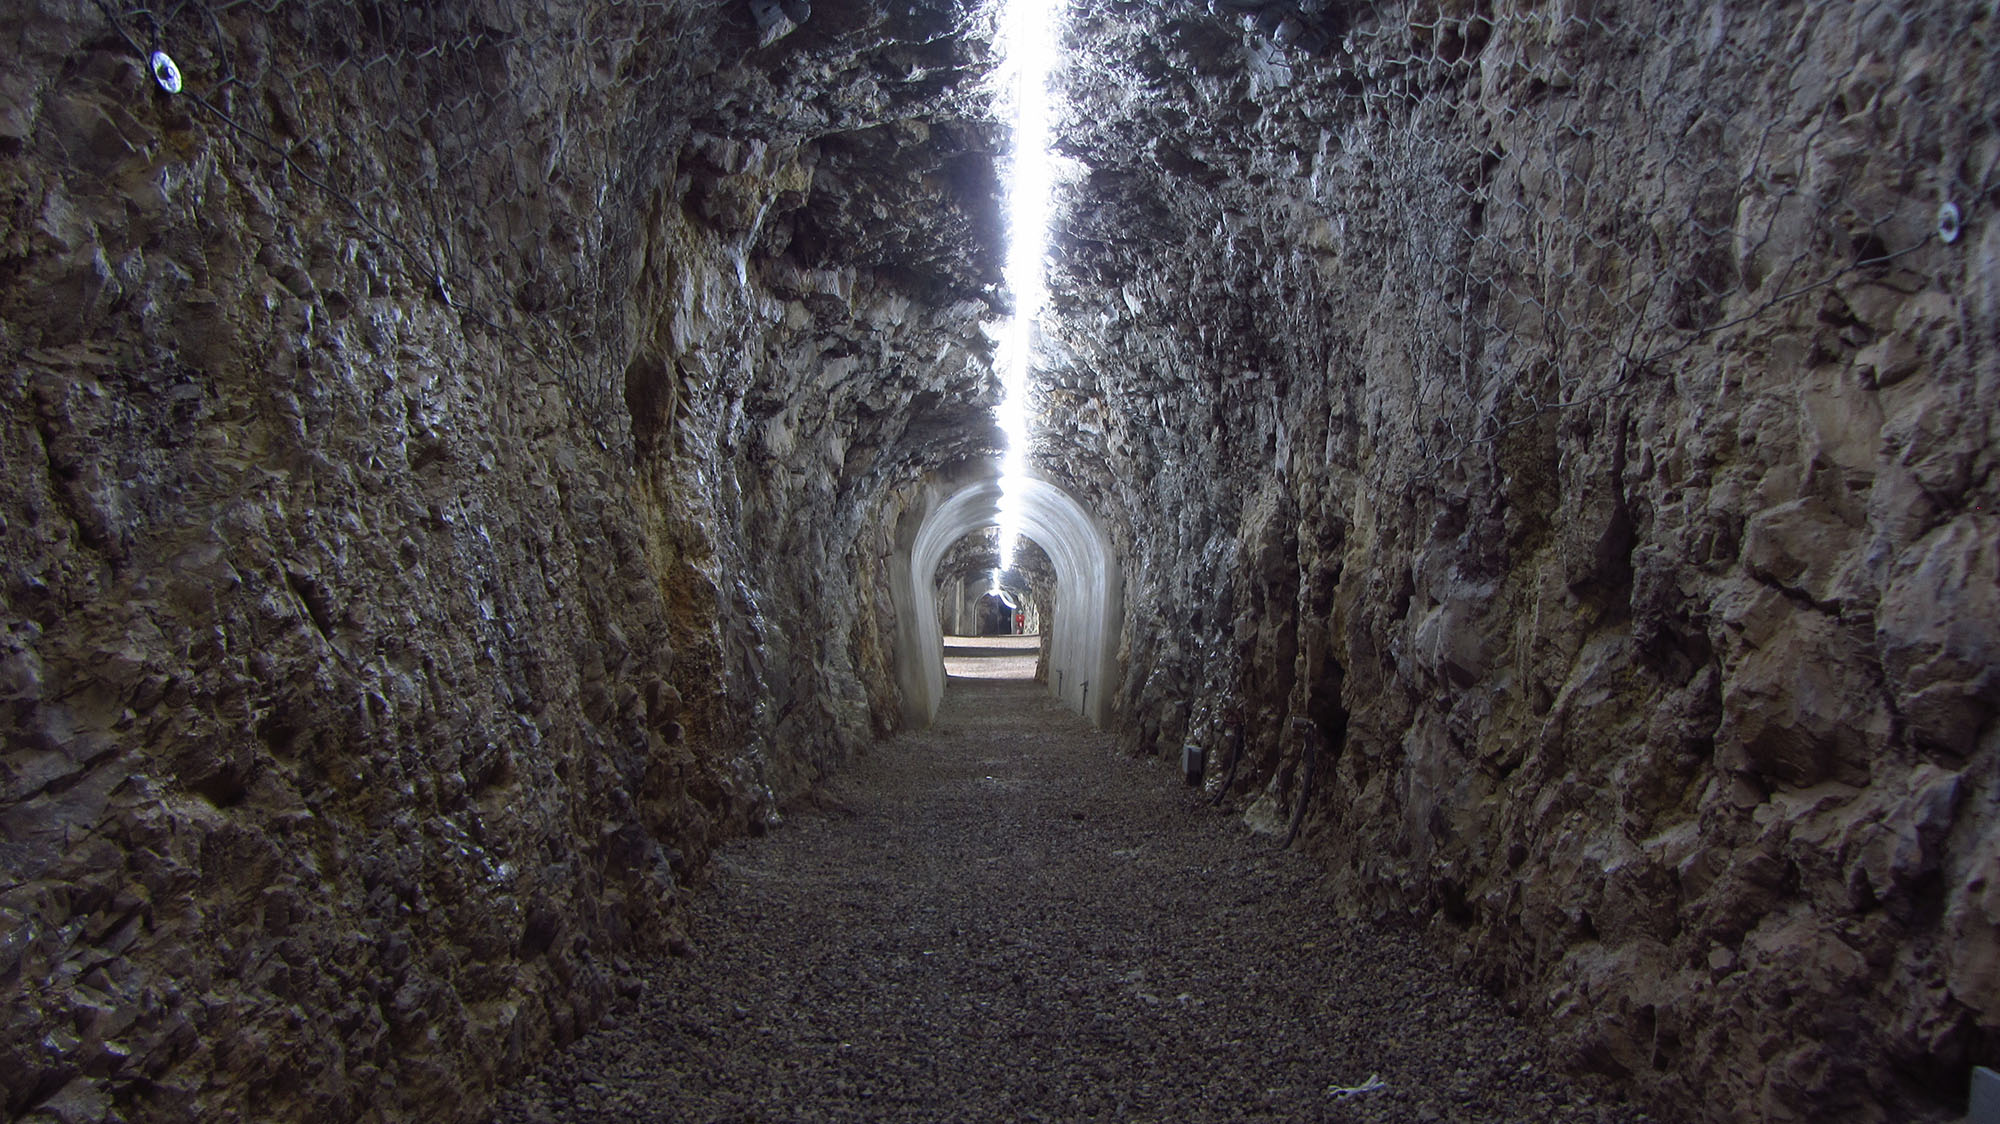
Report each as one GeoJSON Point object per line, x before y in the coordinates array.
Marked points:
{"type": "Point", "coordinates": [449, 475]}
{"type": "Point", "coordinates": [1578, 411]}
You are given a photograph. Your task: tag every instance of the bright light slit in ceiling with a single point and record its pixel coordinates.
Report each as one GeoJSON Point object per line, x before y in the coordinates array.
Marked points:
{"type": "Point", "coordinates": [1030, 36]}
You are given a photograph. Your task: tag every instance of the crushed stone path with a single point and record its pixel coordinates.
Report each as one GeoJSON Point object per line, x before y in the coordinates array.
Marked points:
{"type": "Point", "coordinates": [1002, 919]}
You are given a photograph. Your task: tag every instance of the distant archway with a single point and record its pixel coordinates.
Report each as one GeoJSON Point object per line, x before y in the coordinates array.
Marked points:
{"type": "Point", "coordinates": [965, 583]}
{"type": "Point", "coordinates": [1083, 658]}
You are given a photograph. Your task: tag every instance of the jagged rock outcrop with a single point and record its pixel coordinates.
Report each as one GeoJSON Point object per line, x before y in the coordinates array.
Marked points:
{"type": "Point", "coordinates": [1578, 415]}
{"type": "Point", "coordinates": [452, 456]}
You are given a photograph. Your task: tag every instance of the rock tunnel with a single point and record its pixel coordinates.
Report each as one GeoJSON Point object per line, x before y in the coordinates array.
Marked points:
{"type": "Point", "coordinates": [1084, 629]}
{"type": "Point", "coordinates": [467, 463]}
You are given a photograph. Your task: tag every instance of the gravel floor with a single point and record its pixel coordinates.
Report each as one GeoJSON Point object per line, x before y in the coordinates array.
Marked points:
{"type": "Point", "coordinates": [1001, 919]}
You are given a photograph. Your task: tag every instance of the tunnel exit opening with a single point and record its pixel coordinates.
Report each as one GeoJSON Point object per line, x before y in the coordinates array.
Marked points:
{"type": "Point", "coordinates": [976, 596]}
{"type": "Point", "coordinates": [1078, 639]}
{"type": "Point", "coordinates": [990, 616]}
{"type": "Point", "coordinates": [1001, 615]}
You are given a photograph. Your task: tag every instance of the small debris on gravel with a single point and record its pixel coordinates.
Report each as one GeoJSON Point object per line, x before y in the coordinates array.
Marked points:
{"type": "Point", "coordinates": [1002, 919]}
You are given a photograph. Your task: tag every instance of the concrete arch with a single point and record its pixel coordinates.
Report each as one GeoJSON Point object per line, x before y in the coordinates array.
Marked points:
{"type": "Point", "coordinates": [1089, 592]}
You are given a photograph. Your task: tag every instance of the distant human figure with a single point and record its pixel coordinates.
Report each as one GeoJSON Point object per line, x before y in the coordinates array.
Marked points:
{"type": "Point", "coordinates": [1020, 621]}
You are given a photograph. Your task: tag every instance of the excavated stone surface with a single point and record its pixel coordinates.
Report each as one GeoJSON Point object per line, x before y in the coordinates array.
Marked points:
{"type": "Point", "coordinates": [456, 456]}
{"type": "Point", "coordinates": [452, 456]}
{"type": "Point", "coordinates": [1573, 411]}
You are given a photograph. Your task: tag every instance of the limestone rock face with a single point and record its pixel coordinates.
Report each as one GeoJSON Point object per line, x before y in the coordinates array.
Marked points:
{"type": "Point", "coordinates": [452, 452]}
{"type": "Point", "coordinates": [1577, 413]}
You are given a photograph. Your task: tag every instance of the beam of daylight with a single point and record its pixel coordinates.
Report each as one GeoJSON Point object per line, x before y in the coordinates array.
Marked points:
{"type": "Point", "coordinates": [1030, 36]}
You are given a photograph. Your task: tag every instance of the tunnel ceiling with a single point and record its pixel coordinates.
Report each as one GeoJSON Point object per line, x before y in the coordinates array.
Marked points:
{"type": "Point", "coordinates": [865, 138]}
{"type": "Point", "coordinates": [891, 108]}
